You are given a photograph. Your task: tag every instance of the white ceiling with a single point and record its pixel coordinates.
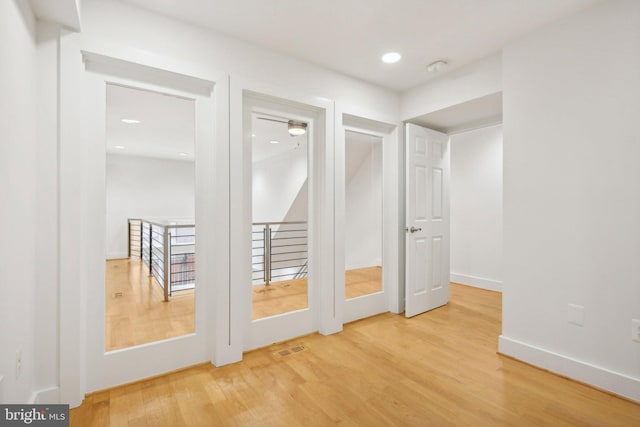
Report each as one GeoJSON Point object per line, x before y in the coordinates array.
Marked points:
{"type": "Point", "coordinates": [349, 36]}
{"type": "Point", "coordinates": [166, 128]}
{"type": "Point", "coordinates": [265, 131]}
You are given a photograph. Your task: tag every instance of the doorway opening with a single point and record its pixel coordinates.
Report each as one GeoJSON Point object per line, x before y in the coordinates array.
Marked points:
{"type": "Point", "coordinates": [363, 214]}
{"type": "Point", "coordinates": [284, 223]}
{"type": "Point", "coordinates": [279, 227]}
{"type": "Point", "coordinates": [150, 207]}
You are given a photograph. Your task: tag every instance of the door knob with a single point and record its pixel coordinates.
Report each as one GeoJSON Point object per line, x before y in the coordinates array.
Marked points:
{"type": "Point", "coordinates": [414, 229]}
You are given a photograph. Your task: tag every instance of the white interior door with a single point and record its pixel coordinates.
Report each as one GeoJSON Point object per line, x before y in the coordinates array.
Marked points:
{"type": "Point", "coordinates": [427, 220]}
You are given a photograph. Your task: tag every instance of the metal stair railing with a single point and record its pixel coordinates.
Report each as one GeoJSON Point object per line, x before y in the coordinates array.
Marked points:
{"type": "Point", "coordinates": [168, 250]}
{"type": "Point", "coordinates": [279, 251]}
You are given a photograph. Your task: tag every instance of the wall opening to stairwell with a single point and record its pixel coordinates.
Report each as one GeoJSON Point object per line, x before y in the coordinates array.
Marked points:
{"type": "Point", "coordinates": [279, 181]}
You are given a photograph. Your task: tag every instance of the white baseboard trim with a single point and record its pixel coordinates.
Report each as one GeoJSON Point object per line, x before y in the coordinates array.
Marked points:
{"type": "Point", "coordinates": [477, 282]}
{"type": "Point", "coordinates": [596, 376]}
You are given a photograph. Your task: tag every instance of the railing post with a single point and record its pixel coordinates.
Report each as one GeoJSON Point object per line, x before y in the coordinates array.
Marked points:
{"type": "Point", "coordinates": [167, 263]}
{"type": "Point", "coordinates": [129, 238]}
{"type": "Point", "coordinates": [267, 254]}
{"type": "Point", "coordinates": [150, 249]}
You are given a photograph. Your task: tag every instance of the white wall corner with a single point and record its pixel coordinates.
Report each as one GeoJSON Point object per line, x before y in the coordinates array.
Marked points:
{"type": "Point", "coordinates": [63, 12]}
{"type": "Point", "coordinates": [596, 376]}
{"type": "Point", "coordinates": [477, 282]}
{"type": "Point", "coordinates": [476, 80]}
{"type": "Point", "coordinates": [47, 396]}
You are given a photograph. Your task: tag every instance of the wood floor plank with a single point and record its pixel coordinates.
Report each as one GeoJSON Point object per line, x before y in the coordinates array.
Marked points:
{"type": "Point", "coordinates": [440, 368]}
{"type": "Point", "coordinates": [135, 309]}
{"type": "Point", "coordinates": [136, 312]}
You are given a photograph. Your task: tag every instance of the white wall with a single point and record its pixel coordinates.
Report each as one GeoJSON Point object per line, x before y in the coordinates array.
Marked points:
{"type": "Point", "coordinates": [473, 81]}
{"type": "Point", "coordinates": [277, 182]}
{"type": "Point", "coordinates": [476, 207]}
{"type": "Point", "coordinates": [18, 192]}
{"type": "Point", "coordinates": [571, 196]}
{"type": "Point", "coordinates": [363, 203]}
{"type": "Point", "coordinates": [144, 187]}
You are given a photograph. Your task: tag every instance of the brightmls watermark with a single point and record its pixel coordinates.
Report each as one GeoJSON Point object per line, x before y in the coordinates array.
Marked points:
{"type": "Point", "coordinates": [34, 415]}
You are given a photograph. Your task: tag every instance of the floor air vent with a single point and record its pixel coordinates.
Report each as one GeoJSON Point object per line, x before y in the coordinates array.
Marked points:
{"type": "Point", "coordinates": [288, 351]}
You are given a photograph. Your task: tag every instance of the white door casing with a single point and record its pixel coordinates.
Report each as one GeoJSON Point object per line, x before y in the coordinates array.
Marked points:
{"type": "Point", "coordinates": [379, 302]}
{"type": "Point", "coordinates": [107, 369]}
{"type": "Point", "coordinates": [248, 96]}
{"type": "Point", "coordinates": [427, 220]}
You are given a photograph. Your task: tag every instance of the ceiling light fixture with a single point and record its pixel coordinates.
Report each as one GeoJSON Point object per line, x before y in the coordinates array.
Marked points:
{"type": "Point", "coordinates": [273, 141]}
{"type": "Point", "coordinates": [130, 121]}
{"type": "Point", "coordinates": [183, 154]}
{"type": "Point", "coordinates": [119, 147]}
{"type": "Point", "coordinates": [436, 66]}
{"type": "Point", "coordinates": [391, 57]}
{"type": "Point", "coordinates": [297, 128]}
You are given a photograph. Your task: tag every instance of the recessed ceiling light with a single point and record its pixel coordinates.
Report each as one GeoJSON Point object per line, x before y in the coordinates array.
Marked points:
{"type": "Point", "coordinates": [130, 121]}
{"type": "Point", "coordinates": [273, 141]}
{"type": "Point", "coordinates": [391, 57]}
{"type": "Point", "coordinates": [119, 147]}
{"type": "Point", "coordinates": [183, 154]}
{"type": "Point", "coordinates": [253, 135]}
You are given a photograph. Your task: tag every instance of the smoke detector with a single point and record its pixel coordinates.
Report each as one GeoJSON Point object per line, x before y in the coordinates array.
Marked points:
{"type": "Point", "coordinates": [436, 66]}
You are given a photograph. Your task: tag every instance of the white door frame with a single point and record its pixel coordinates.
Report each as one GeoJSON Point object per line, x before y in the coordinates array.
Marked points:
{"type": "Point", "coordinates": [388, 298]}
{"type": "Point", "coordinates": [246, 334]}
{"type": "Point", "coordinates": [84, 365]}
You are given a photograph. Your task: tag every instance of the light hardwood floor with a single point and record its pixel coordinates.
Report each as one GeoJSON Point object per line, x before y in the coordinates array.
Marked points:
{"type": "Point", "coordinates": [137, 314]}
{"type": "Point", "coordinates": [436, 369]}
{"type": "Point", "coordinates": [290, 295]}
{"type": "Point", "coordinates": [135, 309]}
{"type": "Point", "coordinates": [362, 281]}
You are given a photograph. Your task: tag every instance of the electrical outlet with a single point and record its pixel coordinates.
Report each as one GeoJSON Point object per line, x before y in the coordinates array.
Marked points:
{"type": "Point", "coordinates": [635, 330]}
{"type": "Point", "coordinates": [18, 363]}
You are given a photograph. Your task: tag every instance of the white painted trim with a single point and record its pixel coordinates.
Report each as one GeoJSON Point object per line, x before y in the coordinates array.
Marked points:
{"type": "Point", "coordinates": [71, 302]}
{"type": "Point", "coordinates": [602, 378]}
{"type": "Point", "coordinates": [392, 171]}
{"type": "Point", "coordinates": [63, 12]}
{"type": "Point", "coordinates": [365, 306]}
{"type": "Point", "coordinates": [246, 95]}
{"type": "Point", "coordinates": [128, 70]}
{"type": "Point", "coordinates": [83, 364]}
{"type": "Point", "coordinates": [47, 395]}
{"type": "Point", "coordinates": [477, 282]}
{"type": "Point", "coordinates": [108, 369]}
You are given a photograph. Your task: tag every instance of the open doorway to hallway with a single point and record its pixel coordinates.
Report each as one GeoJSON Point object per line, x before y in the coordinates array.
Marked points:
{"type": "Point", "coordinates": [150, 228]}
{"type": "Point", "coordinates": [279, 229]}
{"type": "Point", "coordinates": [363, 214]}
